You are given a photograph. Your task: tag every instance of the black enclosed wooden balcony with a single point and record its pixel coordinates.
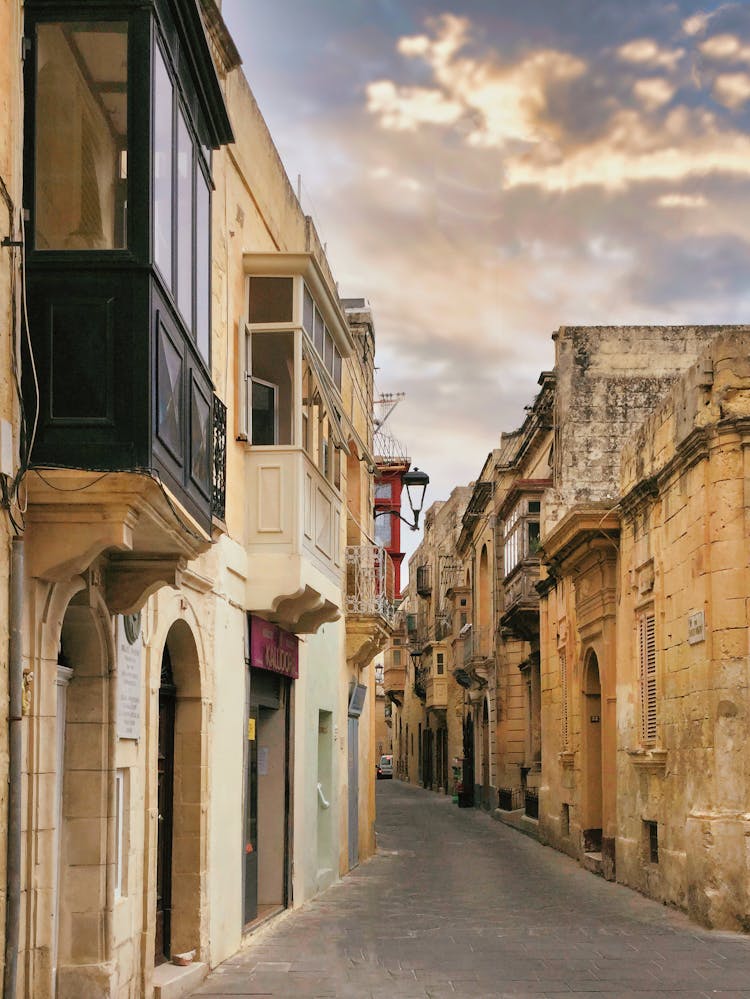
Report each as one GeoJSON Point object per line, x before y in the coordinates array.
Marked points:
{"type": "Point", "coordinates": [123, 106]}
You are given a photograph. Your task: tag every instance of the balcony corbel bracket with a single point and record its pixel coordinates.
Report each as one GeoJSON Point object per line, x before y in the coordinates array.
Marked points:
{"type": "Point", "coordinates": [131, 581]}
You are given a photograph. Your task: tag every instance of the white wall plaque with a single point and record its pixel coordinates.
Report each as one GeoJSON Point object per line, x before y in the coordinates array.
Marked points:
{"type": "Point", "coordinates": [129, 671]}
{"type": "Point", "coordinates": [696, 627]}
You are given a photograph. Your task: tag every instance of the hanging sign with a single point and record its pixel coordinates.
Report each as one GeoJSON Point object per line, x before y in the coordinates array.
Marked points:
{"type": "Point", "coordinates": [129, 670]}
{"type": "Point", "coordinates": [273, 649]}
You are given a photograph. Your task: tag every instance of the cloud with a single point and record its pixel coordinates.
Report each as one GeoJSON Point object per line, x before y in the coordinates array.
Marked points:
{"type": "Point", "coordinates": [725, 47]}
{"type": "Point", "coordinates": [732, 89]}
{"type": "Point", "coordinates": [645, 51]}
{"type": "Point", "coordinates": [654, 93]}
{"type": "Point", "coordinates": [406, 108]}
{"type": "Point", "coordinates": [496, 103]}
{"type": "Point", "coordinates": [695, 25]}
{"type": "Point", "coordinates": [681, 201]}
{"type": "Point", "coordinates": [684, 145]}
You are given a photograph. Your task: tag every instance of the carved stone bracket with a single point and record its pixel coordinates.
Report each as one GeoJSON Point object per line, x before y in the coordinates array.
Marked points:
{"type": "Point", "coordinates": [649, 760]}
{"type": "Point", "coordinates": [129, 582]}
{"type": "Point", "coordinates": [63, 541]}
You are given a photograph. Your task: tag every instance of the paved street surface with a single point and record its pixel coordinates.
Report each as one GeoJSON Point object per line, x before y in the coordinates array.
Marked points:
{"type": "Point", "coordinates": [458, 905]}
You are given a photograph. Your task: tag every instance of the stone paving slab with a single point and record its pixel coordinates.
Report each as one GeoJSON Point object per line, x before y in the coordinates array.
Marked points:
{"type": "Point", "coordinates": [456, 905]}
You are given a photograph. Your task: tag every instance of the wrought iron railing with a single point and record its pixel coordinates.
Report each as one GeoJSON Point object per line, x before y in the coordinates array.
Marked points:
{"type": "Point", "coordinates": [531, 802]}
{"type": "Point", "coordinates": [476, 645]}
{"type": "Point", "coordinates": [510, 798]}
{"type": "Point", "coordinates": [219, 485]}
{"type": "Point", "coordinates": [369, 582]}
{"type": "Point", "coordinates": [420, 682]}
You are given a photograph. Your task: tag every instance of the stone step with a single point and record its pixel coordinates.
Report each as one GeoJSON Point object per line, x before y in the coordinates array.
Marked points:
{"type": "Point", "coordinates": [173, 982]}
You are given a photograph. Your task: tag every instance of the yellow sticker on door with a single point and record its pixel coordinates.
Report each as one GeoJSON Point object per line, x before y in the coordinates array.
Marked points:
{"type": "Point", "coordinates": [251, 729]}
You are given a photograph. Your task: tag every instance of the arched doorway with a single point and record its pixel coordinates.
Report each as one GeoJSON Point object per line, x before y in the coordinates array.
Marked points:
{"type": "Point", "coordinates": [81, 940]}
{"type": "Point", "coordinates": [181, 784]}
{"type": "Point", "coordinates": [591, 727]}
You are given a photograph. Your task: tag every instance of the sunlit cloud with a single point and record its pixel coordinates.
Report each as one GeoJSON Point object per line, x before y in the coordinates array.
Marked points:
{"type": "Point", "coordinates": [406, 108]}
{"type": "Point", "coordinates": [497, 104]}
{"type": "Point", "coordinates": [654, 93]}
{"type": "Point", "coordinates": [682, 146]}
{"type": "Point", "coordinates": [645, 51]}
{"type": "Point", "coordinates": [725, 47]}
{"type": "Point", "coordinates": [681, 201]}
{"type": "Point", "coordinates": [732, 89]}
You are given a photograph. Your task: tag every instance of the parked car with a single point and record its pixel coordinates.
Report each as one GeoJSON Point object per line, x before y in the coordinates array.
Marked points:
{"type": "Point", "coordinates": [384, 769]}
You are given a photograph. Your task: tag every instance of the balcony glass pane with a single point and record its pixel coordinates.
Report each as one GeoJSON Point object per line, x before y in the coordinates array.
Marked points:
{"type": "Point", "coordinates": [163, 145]}
{"type": "Point", "coordinates": [184, 220]}
{"type": "Point", "coordinates": [273, 365]}
{"type": "Point", "coordinates": [202, 264]}
{"type": "Point", "coordinates": [308, 313]}
{"type": "Point", "coordinates": [81, 136]}
{"type": "Point", "coordinates": [271, 300]}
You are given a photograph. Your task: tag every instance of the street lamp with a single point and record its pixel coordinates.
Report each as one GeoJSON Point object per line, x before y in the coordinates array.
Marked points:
{"type": "Point", "coordinates": [416, 483]}
{"type": "Point", "coordinates": [416, 658]}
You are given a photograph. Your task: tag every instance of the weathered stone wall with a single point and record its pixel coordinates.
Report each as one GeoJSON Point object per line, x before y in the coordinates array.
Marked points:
{"type": "Point", "coordinates": [685, 550]}
{"type": "Point", "coordinates": [609, 379]}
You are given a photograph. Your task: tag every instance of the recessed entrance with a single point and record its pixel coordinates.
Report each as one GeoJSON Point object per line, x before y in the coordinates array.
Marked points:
{"type": "Point", "coordinates": [165, 823]}
{"type": "Point", "coordinates": [266, 795]}
{"type": "Point", "coordinates": [592, 749]}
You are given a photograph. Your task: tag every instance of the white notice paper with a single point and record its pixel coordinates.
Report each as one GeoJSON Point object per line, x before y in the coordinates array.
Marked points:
{"type": "Point", "coordinates": [262, 761]}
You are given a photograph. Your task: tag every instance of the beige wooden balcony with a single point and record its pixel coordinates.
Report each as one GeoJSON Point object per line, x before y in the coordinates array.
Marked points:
{"type": "Point", "coordinates": [394, 681]}
{"type": "Point", "coordinates": [294, 531]}
{"type": "Point", "coordinates": [436, 693]}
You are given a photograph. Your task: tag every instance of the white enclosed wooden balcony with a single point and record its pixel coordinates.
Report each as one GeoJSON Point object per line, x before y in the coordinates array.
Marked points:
{"type": "Point", "coordinates": [294, 530]}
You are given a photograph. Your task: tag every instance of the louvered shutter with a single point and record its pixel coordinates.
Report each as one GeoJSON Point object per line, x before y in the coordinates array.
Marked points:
{"type": "Point", "coordinates": [564, 699]}
{"type": "Point", "coordinates": [647, 643]}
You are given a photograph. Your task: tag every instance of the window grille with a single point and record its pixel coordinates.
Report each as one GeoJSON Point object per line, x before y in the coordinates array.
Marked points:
{"type": "Point", "coordinates": [647, 654]}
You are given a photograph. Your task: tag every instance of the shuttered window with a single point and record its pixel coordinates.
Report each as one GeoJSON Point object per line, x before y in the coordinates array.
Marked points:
{"type": "Point", "coordinates": [647, 656]}
{"type": "Point", "coordinates": [563, 699]}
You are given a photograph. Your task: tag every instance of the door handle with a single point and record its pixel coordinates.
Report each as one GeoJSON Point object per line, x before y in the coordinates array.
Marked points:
{"type": "Point", "coordinates": [321, 796]}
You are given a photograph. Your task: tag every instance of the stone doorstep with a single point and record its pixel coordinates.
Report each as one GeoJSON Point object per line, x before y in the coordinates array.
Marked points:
{"type": "Point", "coordinates": [593, 862]}
{"type": "Point", "coordinates": [172, 981]}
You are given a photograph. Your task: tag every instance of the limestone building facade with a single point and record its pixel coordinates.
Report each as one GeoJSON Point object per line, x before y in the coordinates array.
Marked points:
{"type": "Point", "coordinates": [187, 457]}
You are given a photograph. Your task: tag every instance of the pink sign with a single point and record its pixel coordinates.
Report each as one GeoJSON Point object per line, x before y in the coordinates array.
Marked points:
{"type": "Point", "coordinates": [273, 649]}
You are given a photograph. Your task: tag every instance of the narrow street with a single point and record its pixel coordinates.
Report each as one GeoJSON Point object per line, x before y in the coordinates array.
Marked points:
{"type": "Point", "coordinates": [455, 904]}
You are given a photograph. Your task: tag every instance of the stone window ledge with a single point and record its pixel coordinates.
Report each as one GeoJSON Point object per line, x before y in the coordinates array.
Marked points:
{"type": "Point", "coordinates": [649, 760]}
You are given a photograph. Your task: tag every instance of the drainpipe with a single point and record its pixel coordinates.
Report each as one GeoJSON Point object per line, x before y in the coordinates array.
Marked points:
{"type": "Point", "coordinates": [15, 721]}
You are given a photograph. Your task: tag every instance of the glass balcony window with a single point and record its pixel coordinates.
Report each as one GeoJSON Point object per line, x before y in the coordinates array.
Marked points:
{"type": "Point", "coordinates": [81, 136]}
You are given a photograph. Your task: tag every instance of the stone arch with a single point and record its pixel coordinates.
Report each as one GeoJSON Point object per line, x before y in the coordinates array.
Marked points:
{"type": "Point", "coordinates": [591, 739]}
{"type": "Point", "coordinates": [179, 667]}
{"type": "Point", "coordinates": [83, 800]}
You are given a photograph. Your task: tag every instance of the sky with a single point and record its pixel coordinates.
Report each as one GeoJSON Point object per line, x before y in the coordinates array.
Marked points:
{"type": "Point", "coordinates": [485, 171]}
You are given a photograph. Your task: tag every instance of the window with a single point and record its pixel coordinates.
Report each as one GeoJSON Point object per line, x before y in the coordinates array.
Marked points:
{"type": "Point", "coordinates": [163, 114]}
{"type": "Point", "coordinates": [271, 365]}
{"type": "Point", "coordinates": [383, 490]}
{"type": "Point", "coordinates": [396, 657]}
{"type": "Point", "coordinates": [383, 531]}
{"type": "Point", "coordinates": [651, 842]}
{"type": "Point", "coordinates": [521, 534]}
{"type": "Point", "coordinates": [440, 663]}
{"type": "Point", "coordinates": [182, 208]}
{"type": "Point", "coordinates": [647, 671]}
{"type": "Point", "coordinates": [80, 192]}
{"type": "Point", "coordinates": [271, 300]}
